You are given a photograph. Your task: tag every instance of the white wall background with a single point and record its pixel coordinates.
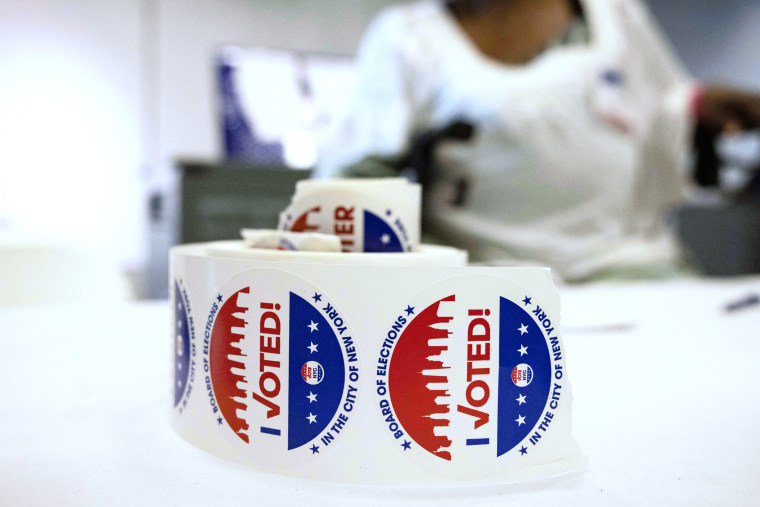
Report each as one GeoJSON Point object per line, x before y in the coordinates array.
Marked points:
{"type": "Point", "coordinates": [718, 40]}
{"type": "Point", "coordinates": [69, 133]}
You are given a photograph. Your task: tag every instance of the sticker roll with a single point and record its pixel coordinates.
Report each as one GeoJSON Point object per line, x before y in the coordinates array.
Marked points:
{"type": "Point", "coordinates": [369, 215]}
{"type": "Point", "coordinates": [371, 374]}
{"type": "Point", "coordinates": [305, 187]}
{"type": "Point", "coordinates": [425, 255]}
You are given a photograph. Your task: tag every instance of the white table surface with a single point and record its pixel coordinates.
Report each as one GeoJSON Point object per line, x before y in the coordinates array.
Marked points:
{"type": "Point", "coordinates": [666, 387]}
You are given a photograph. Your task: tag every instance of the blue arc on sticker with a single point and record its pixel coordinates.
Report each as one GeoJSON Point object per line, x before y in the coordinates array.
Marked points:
{"type": "Point", "coordinates": [516, 419]}
{"type": "Point", "coordinates": [317, 373]}
{"type": "Point", "coordinates": [378, 235]}
{"type": "Point", "coordinates": [181, 345]}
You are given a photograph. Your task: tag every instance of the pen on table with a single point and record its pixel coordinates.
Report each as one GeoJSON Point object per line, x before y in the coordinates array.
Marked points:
{"type": "Point", "coordinates": [743, 303]}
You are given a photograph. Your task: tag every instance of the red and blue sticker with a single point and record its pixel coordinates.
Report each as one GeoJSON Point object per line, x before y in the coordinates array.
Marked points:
{"type": "Point", "coordinates": [281, 365]}
{"type": "Point", "coordinates": [469, 375]}
{"type": "Point", "coordinates": [183, 331]}
{"type": "Point", "coordinates": [359, 229]}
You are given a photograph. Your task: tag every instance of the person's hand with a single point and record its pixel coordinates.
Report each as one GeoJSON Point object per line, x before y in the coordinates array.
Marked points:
{"type": "Point", "coordinates": [726, 110]}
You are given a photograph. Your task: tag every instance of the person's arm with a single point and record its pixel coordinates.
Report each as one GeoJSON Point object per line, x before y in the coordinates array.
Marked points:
{"type": "Point", "coordinates": [713, 107]}
{"type": "Point", "coordinates": [719, 110]}
{"type": "Point", "coordinates": [663, 73]}
{"type": "Point", "coordinates": [664, 91]}
{"type": "Point", "coordinates": [724, 109]}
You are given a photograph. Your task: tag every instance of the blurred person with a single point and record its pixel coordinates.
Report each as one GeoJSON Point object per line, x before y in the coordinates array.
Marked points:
{"type": "Point", "coordinates": [583, 119]}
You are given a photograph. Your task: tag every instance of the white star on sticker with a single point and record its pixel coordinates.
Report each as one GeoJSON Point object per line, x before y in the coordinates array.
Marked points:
{"type": "Point", "coordinates": [179, 306]}
{"type": "Point", "coordinates": [312, 418]}
{"type": "Point", "coordinates": [522, 350]}
{"type": "Point", "coordinates": [520, 420]}
{"type": "Point", "coordinates": [312, 326]}
{"type": "Point", "coordinates": [312, 397]}
{"type": "Point", "coordinates": [179, 366]}
{"type": "Point", "coordinates": [385, 239]}
{"type": "Point", "coordinates": [520, 399]}
{"type": "Point", "coordinates": [179, 324]}
{"type": "Point", "coordinates": [312, 347]}
{"type": "Point", "coordinates": [523, 329]}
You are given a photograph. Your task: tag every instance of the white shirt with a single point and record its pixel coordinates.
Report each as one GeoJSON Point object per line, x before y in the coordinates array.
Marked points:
{"type": "Point", "coordinates": [575, 157]}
